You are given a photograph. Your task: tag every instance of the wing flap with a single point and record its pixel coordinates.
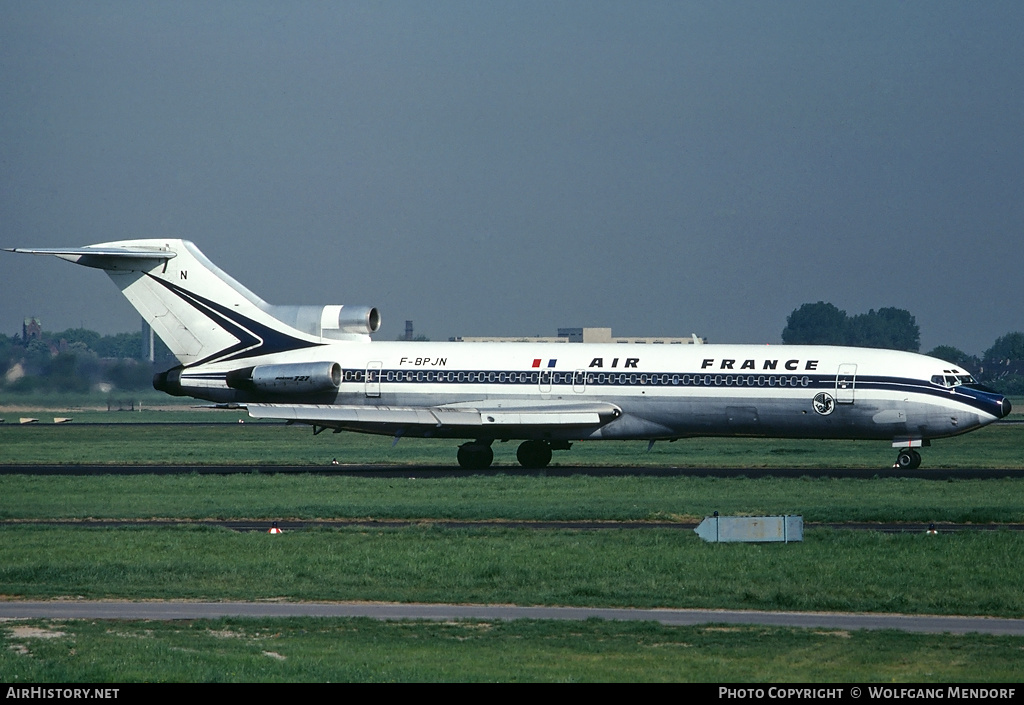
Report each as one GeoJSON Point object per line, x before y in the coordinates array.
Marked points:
{"type": "Point", "coordinates": [482, 414]}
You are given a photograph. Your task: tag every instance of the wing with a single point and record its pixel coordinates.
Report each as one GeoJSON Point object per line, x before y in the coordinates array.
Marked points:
{"type": "Point", "coordinates": [469, 418]}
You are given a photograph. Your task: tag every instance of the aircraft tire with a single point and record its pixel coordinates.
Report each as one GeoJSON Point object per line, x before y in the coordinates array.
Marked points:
{"type": "Point", "coordinates": [908, 459]}
{"type": "Point", "coordinates": [475, 456]}
{"type": "Point", "coordinates": [534, 454]}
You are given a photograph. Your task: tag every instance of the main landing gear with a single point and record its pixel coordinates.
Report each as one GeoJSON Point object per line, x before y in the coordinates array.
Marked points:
{"type": "Point", "coordinates": [534, 454]}
{"type": "Point", "coordinates": [908, 459]}
{"type": "Point", "coordinates": [477, 455]}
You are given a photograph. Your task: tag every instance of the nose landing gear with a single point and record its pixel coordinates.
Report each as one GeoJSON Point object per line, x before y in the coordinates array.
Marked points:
{"type": "Point", "coordinates": [908, 459]}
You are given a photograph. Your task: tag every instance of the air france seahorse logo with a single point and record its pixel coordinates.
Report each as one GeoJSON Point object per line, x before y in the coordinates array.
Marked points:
{"type": "Point", "coordinates": [824, 404]}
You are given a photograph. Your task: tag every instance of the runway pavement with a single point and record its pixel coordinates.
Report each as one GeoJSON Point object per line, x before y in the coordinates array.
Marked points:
{"type": "Point", "coordinates": [249, 525]}
{"type": "Point", "coordinates": [117, 610]}
{"type": "Point", "coordinates": [429, 471]}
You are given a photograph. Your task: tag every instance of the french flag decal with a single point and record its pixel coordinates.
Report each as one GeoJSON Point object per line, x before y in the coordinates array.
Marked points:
{"type": "Point", "coordinates": [551, 363]}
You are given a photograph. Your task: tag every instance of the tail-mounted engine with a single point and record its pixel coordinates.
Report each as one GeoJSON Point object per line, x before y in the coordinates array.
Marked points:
{"type": "Point", "coordinates": [334, 322]}
{"type": "Point", "coordinates": [295, 378]}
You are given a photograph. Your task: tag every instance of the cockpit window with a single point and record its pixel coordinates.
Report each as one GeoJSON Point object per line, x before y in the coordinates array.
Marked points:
{"type": "Point", "coordinates": [951, 380]}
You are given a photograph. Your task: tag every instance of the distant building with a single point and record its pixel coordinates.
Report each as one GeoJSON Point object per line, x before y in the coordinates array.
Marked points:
{"type": "Point", "coordinates": [580, 335]}
{"type": "Point", "coordinates": [31, 329]}
{"type": "Point", "coordinates": [148, 343]}
{"type": "Point", "coordinates": [409, 335]}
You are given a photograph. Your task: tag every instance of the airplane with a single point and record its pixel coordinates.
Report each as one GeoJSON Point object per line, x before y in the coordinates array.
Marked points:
{"type": "Point", "coordinates": [316, 365]}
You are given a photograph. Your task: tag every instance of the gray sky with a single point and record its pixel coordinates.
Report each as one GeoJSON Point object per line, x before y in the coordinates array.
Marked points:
{"type": "Point", "coordinates": [488, 168]}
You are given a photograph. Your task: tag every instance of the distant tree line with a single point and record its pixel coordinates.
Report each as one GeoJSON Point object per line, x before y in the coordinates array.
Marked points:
{"type": "Point", "coordinates": [77, 360]}
{"type": "Point", "coordinates": [824, 324]}
{"type": "Point", "coordinates": [1001, 366]}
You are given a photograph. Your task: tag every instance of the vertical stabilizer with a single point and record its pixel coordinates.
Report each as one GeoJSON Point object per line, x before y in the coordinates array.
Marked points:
{"type": "Point", "coordinates": [199, 311]}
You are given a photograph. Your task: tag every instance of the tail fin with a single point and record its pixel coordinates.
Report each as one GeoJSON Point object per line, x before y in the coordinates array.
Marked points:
{"type": "Point", "coordinates": [199, 311]}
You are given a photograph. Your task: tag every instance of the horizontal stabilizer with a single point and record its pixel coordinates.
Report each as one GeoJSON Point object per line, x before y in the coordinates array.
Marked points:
{"type": "Point", "coordinates": [99, 257]}
{"type": "Point", "coordinates": [135, 253]}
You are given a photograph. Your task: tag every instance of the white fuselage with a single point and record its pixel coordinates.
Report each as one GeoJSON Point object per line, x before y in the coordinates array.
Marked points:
{"type": "Point", "coordinates": [664, 391]}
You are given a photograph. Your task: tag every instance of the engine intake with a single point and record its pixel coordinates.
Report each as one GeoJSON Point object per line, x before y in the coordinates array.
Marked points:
{"type": "Point", "coordinates": [335, 322]}
{"type": "Point", "coordinates": [299, 377]}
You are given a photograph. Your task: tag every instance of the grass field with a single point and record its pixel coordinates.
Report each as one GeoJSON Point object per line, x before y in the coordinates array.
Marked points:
{"type": "Point", "coordinates": [364, 650]}
{"type": "Point", "coordinates": [961, 573]}
{"type": "Point", "coordinates": [971, 573]}
{"type": "Point", "coordinates": [499, 496]}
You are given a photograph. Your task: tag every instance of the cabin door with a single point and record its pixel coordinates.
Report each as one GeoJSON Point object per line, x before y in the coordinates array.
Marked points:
{"type": "Point", "coordinates": [846, 381]}
{"type": "Point", "coordinates": [373, 379]}
{"type": "Point", "coordinates": [545, 381]}
{"type": "Point", "coordinates": [579, 381]}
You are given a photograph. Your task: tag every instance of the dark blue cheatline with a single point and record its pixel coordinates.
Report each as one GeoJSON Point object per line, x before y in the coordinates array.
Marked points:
{"type": "Point", "coordinates": [984, 400]}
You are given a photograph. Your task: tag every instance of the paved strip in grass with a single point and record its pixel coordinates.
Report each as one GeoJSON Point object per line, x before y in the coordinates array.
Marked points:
{"type": "Point", "coordinates": [171, 610]}
{"type": "Point", "coordinates": [250, 525]}
{"type": "Point", "coordinates": [443, 471]}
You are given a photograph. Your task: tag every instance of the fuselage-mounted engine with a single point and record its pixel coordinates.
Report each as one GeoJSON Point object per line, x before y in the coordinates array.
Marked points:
{"type": "Point", "coordinates": [332, 322]}
{"type": "Point", "coordinates": [289, 378]}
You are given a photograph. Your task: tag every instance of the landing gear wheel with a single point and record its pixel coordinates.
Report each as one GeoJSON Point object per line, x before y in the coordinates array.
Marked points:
{"type": "Point", "coordinates": [534, 454]}
{"type": "Point", "coordinates": [475, 456]}
{"type": "Point", "coordinates": [908, 459]}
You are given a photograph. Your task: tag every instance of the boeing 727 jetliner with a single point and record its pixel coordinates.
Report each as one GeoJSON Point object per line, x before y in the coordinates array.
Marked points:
{"type": "Point", "coordinates": [316, 365]}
